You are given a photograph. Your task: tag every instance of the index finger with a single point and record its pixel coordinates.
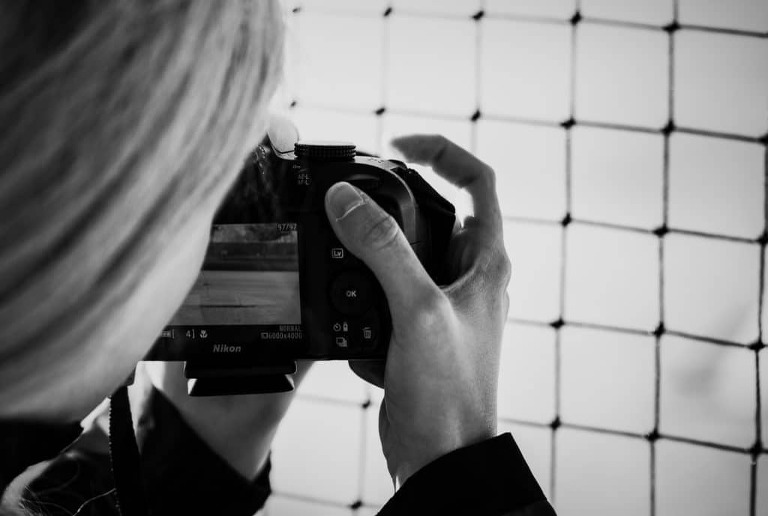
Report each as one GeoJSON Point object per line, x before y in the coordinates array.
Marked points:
{"type": "Point", "coordinates": [459, 167]}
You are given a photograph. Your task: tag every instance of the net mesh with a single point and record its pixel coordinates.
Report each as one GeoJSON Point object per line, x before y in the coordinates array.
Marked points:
{"type": "Point", "coordinates": [661, 233]}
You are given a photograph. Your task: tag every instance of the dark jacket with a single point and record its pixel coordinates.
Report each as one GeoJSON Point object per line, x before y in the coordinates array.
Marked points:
{"type": "Point", "coordinates": [182, 475]}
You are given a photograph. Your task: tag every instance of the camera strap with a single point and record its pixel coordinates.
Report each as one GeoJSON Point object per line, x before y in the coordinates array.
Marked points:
{"type": "Point", "coordinates": [124, 457]}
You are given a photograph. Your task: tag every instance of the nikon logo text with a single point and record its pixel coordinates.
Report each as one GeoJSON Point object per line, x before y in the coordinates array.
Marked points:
{"type": "Point", "coordinates": [223, 348]}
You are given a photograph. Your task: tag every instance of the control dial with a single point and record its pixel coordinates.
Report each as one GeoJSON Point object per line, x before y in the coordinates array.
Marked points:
{"type": "Point", "coordinates": [324, 151]}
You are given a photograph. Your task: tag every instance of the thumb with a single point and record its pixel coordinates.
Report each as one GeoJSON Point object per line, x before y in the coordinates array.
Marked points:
{"type": "Point", "coordinates": [372, 235]}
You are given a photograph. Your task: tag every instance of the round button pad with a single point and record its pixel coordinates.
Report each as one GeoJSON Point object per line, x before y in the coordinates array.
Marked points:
{"type": "Point", "coordinates": [351, 292]}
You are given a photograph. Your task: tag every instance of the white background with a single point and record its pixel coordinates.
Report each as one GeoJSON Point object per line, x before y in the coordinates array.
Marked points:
{"type": "Point", "coordinates": [527, 70]}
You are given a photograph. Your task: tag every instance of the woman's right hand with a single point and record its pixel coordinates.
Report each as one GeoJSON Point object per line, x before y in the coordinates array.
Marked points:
{"type": "Point", "coordinates": [441, 371]}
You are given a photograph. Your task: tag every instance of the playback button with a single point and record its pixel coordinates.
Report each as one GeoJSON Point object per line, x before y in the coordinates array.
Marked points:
{"type": "Point", "coordinates": [351, 293]}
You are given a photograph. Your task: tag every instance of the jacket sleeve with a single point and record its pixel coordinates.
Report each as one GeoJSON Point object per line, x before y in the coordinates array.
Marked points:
{"type": "Point", "coordinates": [490, 478]}
{"type": "Point", "coordinates": [181, 474]}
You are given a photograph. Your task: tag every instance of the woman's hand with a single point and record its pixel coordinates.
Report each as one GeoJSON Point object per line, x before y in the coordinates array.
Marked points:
{"type": "Point", "coordinates": [441, 373]}
{"type": "Point", "coordinates": [240, 429]}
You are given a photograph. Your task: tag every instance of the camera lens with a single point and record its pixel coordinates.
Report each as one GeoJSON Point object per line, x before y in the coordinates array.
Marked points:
{"type": "Point", "coordinates": [324, 151]}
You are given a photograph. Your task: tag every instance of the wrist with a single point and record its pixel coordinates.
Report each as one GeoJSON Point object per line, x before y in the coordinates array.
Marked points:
{"type": "Point", "coordinates": [239, 429]}
{"type": "Point", "coordinates": [424, 456]}
{"type": "Point", "coordinates": [241, 439]}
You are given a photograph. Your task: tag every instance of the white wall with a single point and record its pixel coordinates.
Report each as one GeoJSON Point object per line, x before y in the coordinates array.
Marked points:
{"type": "Point", "coordinates": [527, 69]}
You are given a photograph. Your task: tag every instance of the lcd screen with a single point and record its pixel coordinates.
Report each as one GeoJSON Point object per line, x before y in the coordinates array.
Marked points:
{"type": "Point", "coordinates": [250, 277]}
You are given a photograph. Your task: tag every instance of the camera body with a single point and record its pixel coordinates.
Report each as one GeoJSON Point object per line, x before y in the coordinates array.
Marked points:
{"type": "Point", "coordinates": [276, 283]}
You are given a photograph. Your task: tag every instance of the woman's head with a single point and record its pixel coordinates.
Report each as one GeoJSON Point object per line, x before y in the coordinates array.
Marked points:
{"type": "Point", "coordinates": [123, 125]}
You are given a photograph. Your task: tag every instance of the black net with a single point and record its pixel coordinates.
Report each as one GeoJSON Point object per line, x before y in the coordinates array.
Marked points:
{"type": "Point", "coordinates": [662, 233]}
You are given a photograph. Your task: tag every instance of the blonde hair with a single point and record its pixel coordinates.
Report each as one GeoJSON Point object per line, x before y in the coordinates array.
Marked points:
{"type": "Point", "coordinates": [119, 119]}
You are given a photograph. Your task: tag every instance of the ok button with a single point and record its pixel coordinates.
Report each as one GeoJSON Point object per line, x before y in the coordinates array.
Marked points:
{"type": "Point", "coordinates": [351, 293]}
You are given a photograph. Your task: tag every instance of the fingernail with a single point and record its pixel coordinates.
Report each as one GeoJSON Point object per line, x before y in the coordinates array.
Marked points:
{"type": "Point", "coordinates": [344, 198]}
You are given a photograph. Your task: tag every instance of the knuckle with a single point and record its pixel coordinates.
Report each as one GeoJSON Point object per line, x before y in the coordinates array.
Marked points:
{"type": "Point", "coordinates": [380, 232]}
{"type": "Point", "coordinates": [437, 301]}
{"type": "Point", "coordinates": [433, 306]}
{"type": "Point", "coordinates": [439, 145]}
{"type": "Point", "coordinates": [489, 175]}
{"type": "Point", "coordinates": [484, 176]}
{"type": "Point", "coordinates": [437, 140]}
{"type": "Point", "coordinates": [442, 141]}
{"type": "Point", "coordinates": [497, 268]}
{"type": "Point", "coordinates": [505, 269]}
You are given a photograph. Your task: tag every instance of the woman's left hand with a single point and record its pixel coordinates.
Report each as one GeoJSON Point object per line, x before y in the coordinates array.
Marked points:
{"type": "Point", "coordinates": [240, 429]}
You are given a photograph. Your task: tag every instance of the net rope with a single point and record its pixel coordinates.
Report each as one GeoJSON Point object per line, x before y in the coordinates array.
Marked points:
{"type": "Point", "coordinates": [757, 449]}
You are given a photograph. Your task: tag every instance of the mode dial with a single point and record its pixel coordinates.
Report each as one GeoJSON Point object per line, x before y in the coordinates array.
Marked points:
{"type": "Point", "coordinates": [324, 151]}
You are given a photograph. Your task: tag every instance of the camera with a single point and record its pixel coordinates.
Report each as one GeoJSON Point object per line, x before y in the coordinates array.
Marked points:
{"type": "Point", "coordinates": [277, 285]}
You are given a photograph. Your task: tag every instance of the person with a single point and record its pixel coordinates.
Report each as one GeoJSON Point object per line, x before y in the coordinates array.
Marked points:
{"type": "Point", "coordinates": [123, 127]}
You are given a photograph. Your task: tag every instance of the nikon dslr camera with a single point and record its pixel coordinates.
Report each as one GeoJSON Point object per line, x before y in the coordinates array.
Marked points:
{"type": "Point", "coordinates": [277, 285]}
